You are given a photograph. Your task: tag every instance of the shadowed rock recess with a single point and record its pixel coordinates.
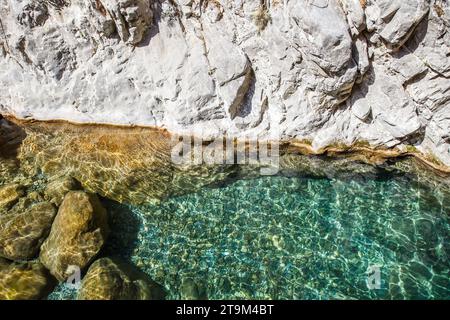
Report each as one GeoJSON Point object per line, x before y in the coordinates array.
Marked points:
{"type": "Point", "coordinates": [324, 70]}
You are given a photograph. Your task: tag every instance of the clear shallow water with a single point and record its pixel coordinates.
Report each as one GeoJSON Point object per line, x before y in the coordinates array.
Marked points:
{"type": "Point", "coordinates": [292, 238]}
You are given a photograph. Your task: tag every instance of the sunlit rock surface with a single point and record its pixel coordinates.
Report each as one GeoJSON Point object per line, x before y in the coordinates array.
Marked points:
{"type": "Point", "coordinates": [111, 279]}
{"type": "Point", "coordinates": [23, 229]}
{"type": "Point", "coordinates": [57, 188]}
{"type": "Point", "coordinates": [125, 164]}
{"type": "Point", "coordinates": [324, 70]}
{"type": "Point", "coordinates": [9, 195]}
{"type": "Point", "coordinates": [24, 281]}
{"type": "Point", "coordinates": [78, 233]}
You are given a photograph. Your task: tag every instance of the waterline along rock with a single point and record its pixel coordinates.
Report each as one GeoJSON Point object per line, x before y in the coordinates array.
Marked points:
{"type": "Point", "coordinates": [324, 70]}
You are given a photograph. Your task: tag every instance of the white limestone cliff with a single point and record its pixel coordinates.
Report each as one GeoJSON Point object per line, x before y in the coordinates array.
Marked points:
{"type": "Point", "coordinates": [330, 71]}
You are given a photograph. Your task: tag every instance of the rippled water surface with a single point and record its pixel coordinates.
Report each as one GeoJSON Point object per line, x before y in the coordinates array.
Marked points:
{"type": "Point", "coordinates": [280, 237]}
{"type": "Point", "coordinates": [294, 238]}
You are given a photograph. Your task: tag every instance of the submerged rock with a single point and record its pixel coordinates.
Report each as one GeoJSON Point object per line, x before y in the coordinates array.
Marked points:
{"type": "Point", "coordinates": [117, 163]}
{"type": "Point", "coordinates": [59, 187]}
{"type": "Point", "coordinates": [22, 232]}
{"type": "Point", "coordinates": [77, 235]}
{"type": "Point", "coordinates": [9, 195]}
{"type": "Point", "coordinates": [110, 279]}
{"type": "Point", "coordinates": [190, 290]}
{"type": "Point", "coordinates": [24, 281]}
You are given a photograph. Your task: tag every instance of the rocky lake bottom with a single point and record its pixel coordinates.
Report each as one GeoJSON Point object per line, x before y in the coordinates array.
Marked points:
{"type": "Point", "coordinates": [320, 229]}
{"type": "Point", "coordinates": [291, 238]}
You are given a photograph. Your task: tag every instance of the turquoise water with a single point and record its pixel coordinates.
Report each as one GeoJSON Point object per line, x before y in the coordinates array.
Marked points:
{"type": "Point", "coordinates": [292, 238]}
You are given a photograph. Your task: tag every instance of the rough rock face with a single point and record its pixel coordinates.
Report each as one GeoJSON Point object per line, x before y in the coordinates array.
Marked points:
{"type": "Point", "coordinates": [109, 279]}
{"type": "Point", "coordinates": [9, 195]}
{"type": "Point", "coordinates": [57, 189]}
{"type": "Point", "coordinates": [77, 235]}
{"type": "Point", "coordinates": [23, 231]}
{"type": "Point", "coordinates": [324, 70]}
{"type": "Point", "coordinates": [131, 18]}
{"type": "Point", "coordinates": [24, 281]}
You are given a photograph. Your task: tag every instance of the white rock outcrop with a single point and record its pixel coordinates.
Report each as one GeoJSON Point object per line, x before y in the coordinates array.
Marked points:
{"type": "Point", "coordinates": [325, 70]}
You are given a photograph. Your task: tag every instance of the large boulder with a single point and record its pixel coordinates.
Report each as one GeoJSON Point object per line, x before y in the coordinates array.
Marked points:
{"type": "Point", "coordinates": [23, 231]}
{"type": "Point", "coordinates": [24, 281]}
{"type": "Point", "coordinates": [111, 279]}
{"type": "Point", "coordinates": [78, 233]}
